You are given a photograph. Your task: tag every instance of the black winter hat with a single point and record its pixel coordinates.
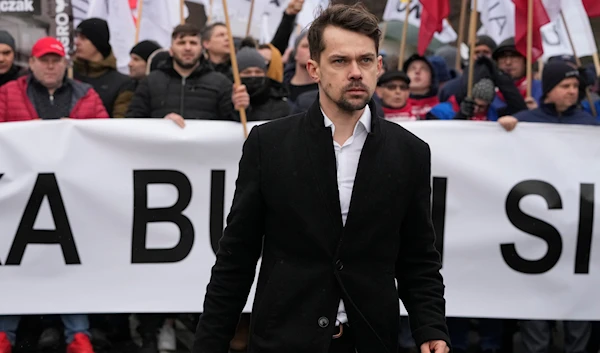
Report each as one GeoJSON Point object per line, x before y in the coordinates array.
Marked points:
{"type": "Point", "coordinates": [554, 73]}
{"type": "Point", "coordinates": [393, 76]}
{"type": "Point", "coordinates": [144, 49]}
{"type": "Point", "coordinates": [487, 41]}
{"type": "Point", "coordinates": [96, 30]}
{"type": "Point", "coordinates": [507, 46]}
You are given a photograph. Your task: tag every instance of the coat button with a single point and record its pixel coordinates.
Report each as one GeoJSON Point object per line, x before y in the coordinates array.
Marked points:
{"type": "Point", "coordinates": [323, 322]}
{"type": "Point", "coordinates": [339, 265]}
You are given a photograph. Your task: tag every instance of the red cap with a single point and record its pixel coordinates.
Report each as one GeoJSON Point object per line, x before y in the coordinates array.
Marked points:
{"type": "Point", "coordinates": [47, 45]}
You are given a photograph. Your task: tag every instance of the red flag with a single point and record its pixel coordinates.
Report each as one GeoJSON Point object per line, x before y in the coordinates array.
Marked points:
{"type": "Point", "coordinates": [592, 7]}
{"type": "Point", "coordinates": [540, 18]}
{"type": "Point", "coordinates": [432, 16]}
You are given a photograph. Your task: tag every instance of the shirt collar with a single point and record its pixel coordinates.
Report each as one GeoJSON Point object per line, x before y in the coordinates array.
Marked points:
{"type": "Point", "coordinates": [365, 121]}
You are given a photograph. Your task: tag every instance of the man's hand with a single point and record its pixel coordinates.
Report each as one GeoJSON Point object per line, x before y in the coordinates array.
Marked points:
{"type": "Point", "coordinates": [531, 103]}
{"type": "Point", "coordinates": [176, 118]}
{"type": "Point", "coordinates": [435, 347]}
{"type": "Point", "coordinates": [240, 97]}
{"type": "Point", "coordinates": [508, 122]}
{"type": "Point", "coordinates": [294, 7]}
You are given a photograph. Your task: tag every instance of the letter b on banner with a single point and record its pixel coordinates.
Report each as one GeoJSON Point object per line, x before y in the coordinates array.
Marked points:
{"type": "Point", "coordinates": [142, 215]}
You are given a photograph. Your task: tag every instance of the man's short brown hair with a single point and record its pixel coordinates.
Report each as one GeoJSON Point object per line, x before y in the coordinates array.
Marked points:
{"type": "Point", "coordinates": [185, 30]}
{"type": "Point", "coordinates": [208, 30]}
{"type": "Point", "coordinates": [355, 18]}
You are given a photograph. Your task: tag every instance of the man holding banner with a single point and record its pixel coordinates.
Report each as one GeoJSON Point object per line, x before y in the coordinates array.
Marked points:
{"type": "Point", "coordinates": [337, 202]}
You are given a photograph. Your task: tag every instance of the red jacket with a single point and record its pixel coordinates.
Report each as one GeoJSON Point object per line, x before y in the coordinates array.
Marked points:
{"type": "Point", "coordinates": [15, 105]}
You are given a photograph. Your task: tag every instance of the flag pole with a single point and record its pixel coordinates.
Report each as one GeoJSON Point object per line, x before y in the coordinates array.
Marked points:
{"type": "Point", "coordinates": [472, 40]}
{"type": "Point", "coordinates": [181, 12]}
{"type": "Point", "coordinates": [578, 62]}
{"type": "Point", "coordinates": [596, 63]}
{"type": "Point", "coordinates": [404, 34]}
{"type": "Point", "coordinates": [234, 66]}
{"type": "Point", "coordinates": [138, 23]}
{"type": "Point", "coordinates": [210, 12]}
{"type": "Point", "coordinates": [529, 45]}
{"type": "Point", "coordinates": [461, 34]}
{"type": "Point", "coordinates": [383, 32]}
{"type": "Point", "coordinates": [249, 27]}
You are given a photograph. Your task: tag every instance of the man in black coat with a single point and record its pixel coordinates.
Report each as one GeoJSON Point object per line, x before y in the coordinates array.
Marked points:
{"type": "Point", "coordinates": [185, 86]}
{"type": "Point", "coordinates": [333, 239]}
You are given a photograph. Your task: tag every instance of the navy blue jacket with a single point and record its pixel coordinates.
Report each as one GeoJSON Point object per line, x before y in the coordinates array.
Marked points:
{"type": "Point", "coordinates": [547, 113]}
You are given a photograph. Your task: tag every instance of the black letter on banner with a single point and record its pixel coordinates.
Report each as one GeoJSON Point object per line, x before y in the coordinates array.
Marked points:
{"type": "Point", "coordinates": [584, 234]}
{"type": "Point", "coordinates": [217, 207]}
{"type": "Point", "coordinates": [45, 186]}
{"type": "Point", "coordinates": [438, 212]}
{"type": "Point", "coordinates": [142, 215]}
{"type": "Point", "coordinates": [533, 226]}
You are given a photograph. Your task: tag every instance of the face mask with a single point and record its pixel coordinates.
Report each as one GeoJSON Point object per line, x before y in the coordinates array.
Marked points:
{"type": "Point", "coordinates": [257, 87]}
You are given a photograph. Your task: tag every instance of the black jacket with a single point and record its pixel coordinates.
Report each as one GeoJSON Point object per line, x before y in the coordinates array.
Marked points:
{"type": "Point", "coordinates": [272, 106]}
{"type": "Point", "coordinates": [286, 205]}
{"type": "Point", "coordinates": [205, 94]}
{"type": "Point", "coordinates": [12, 74]}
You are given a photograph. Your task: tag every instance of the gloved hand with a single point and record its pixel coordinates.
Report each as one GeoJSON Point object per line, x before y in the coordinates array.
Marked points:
{"type": "Point", "coordinates": [467, 108]}
{"type": "Point", "coordinates": [490, 65]}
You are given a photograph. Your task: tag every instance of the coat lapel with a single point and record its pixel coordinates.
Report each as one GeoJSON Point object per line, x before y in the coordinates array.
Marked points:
{"type": "Point", "coordinates": [324, 166]}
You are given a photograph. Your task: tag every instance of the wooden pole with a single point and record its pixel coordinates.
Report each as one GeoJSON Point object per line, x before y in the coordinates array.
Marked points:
{"type": "Point", "coordinates": [210, 12]}
{"type": "Point", "coordinates": [383, 32]}
{"type": "Point", "coordinates": [249, 27]}
{"type": "Point", "coordinates": [234, 66]}
{"type": "Point", "coordinates": [596, 63]}
{"type": "Point", "coordinates": [404, 34]}
{"type": "Point", "coordinates": [472, 40]}
{"type": "Point", "coordinates": [578, 62]}
{"type": "Point", "coordinates": [138, 23]}
{"type": "Point", "coordinates": [529, 45]}
{"type": "Point", "coordinates": [181, 11]}
{"type": "Point", "coordinates": [461, 34]}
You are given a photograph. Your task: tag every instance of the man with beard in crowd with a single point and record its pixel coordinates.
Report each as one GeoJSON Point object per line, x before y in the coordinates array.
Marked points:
{"type": "Point", "coordinates": [138, 59]}
{"type": "Point", "coordinates": [185, 86]}
{"type": "Point", "coordinates": [96, 65]}
{"type": "Point", "coordinates": [8, 70]}
{"type": "Point", "coordinates": [267, 97]}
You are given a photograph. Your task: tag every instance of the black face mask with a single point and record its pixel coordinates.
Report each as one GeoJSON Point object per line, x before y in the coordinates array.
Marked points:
{"type": "Point", "coordinates": [258, 88]}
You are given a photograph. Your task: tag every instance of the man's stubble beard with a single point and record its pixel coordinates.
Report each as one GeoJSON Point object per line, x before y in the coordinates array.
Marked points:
{"type": "Point", "coordinates": [186, 66]}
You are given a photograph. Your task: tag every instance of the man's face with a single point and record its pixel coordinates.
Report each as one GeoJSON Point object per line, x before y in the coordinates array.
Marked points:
{"type": "Point", "coordinates": [513, 64]}
{"type": "Point", "coordinates": [347, 69]}
{"type": "Point", "coordinates": [481, 106]}
{"type": "Point", "coordinates": [253, 72]}
{"type": "Point", "coordinates": [302, 53]}
{"type": "Point", "coordinates": [483, 50]}
{"type": "Point", "coordinates": [218, 44]}
{"type": "Point", "coordinates": [137, 67]}
{"type": "Point", "coordinates": [394, 94]}
{"type": "Point", "coordinates": [49, 69]}
{"type": "Point", "coordinates": [186, 51]}
{"type": "Point", "coordinates": [419, 74]}
{"type": "Point", "coordinates": [84, 49]}
{"type": "Point", "coordinates": [565, 94]}
{"type": "Point", "coordinates": [7, 57]}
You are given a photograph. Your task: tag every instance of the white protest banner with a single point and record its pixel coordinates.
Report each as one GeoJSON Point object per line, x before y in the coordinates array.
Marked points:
{"type": "Point", "coordinates": [395, 10]}
{"type": "Point", "coordinates": [497, 19]}
{"type": "Point", "coordinates": [129, 212]}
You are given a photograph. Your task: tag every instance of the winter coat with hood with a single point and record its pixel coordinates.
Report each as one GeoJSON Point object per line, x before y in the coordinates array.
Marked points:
{"type": "Point", "coordinates": [17, 101]}
{"type": "Point", "coordinates": [204, 94]}
{"type": "Point", "coordinates": [115, 89]}
{"type": "Point", "coordinates": [422, 104]}
{"type": "Point", "coordinates": [547, 113]}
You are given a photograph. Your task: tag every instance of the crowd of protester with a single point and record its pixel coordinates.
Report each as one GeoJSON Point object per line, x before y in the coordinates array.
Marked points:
{"type": "Point", "coordinates": [193, 79]}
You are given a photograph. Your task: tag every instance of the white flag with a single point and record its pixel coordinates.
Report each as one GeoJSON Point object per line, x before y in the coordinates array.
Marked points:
{"type": "Point", "coordinates": [117, 14]}
{"type": "Point", "coordinates": [159, 18]}
{"type": "Point", "coordinates": [580, 28]}
{"type": "Point", "coordinates": [497, 19]}
{"type": "Point", "coordinates": [555, 37]}
{"type": "Point", "coordinates": [396, 11]}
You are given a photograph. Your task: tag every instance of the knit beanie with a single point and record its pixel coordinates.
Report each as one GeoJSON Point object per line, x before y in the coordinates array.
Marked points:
{"type": "Point", "coordinates": [485, 90]}
{"type": "Point", "coordinates": [250, 57]}
{"type": "Point", "coordinates": [554, 73]}
{"type": "Point", "coordinates": [6, 38]}
{"type": "Point", "coordinates": [144, 49]}
{"type": "Point", "coordinates": [487, 41]}
{"type": "Point", "coordinates": [96, 30]}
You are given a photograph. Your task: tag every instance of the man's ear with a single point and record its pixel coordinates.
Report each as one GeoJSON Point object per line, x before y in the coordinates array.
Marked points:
{"type": "Point", "coordinates": [379, 65]}
{"type": "Point", "coordinates": [313, 70]}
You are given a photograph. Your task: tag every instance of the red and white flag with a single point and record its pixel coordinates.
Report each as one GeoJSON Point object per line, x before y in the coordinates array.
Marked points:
{"type": "Point", "coordinates": [592, 7]}
{"type": "Point", "coordinates": [432, 21]}
{"type": "Point", "coordinates": [540, 18]}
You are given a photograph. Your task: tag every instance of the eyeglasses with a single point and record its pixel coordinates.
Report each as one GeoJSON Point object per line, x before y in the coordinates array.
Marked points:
{"type": "Point", "coordinates": [393, 87]}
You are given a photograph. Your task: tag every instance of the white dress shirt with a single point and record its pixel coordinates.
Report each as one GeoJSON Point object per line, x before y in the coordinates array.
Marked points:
{"type": "Point", "coordinates": [347, 157]}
